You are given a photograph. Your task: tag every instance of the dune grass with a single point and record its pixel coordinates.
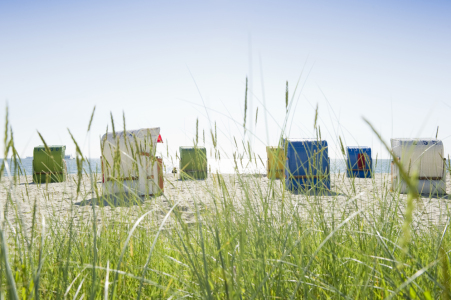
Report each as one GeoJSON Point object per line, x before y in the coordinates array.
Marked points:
{"type": "Point", "coordinates": [250, 239]}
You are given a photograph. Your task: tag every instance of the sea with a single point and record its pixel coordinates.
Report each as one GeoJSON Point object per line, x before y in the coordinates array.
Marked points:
{"type": "Point", "coordinates": [223, 166]}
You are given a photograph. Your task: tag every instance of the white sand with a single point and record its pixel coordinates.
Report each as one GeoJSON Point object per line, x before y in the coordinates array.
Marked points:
{"type": "Point", "coordinates": [59, 201]}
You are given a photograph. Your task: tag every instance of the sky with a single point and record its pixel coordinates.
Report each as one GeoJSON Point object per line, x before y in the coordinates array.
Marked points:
{"type": "Point", "coordinates": [167, 63]}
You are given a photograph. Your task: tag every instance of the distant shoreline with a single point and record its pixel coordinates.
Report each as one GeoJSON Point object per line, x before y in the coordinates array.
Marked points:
{"type": "Point", "coordinates": [223, 166]}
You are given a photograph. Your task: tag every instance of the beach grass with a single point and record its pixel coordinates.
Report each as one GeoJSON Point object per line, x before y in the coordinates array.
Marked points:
{"type": "Point", "coordinates": [248, 239]}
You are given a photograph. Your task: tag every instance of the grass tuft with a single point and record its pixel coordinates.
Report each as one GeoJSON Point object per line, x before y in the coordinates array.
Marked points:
{"type": "Point", "coordinates": [231, 236]}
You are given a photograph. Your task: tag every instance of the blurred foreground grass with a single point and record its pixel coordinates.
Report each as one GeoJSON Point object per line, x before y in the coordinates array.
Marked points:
{"type": "Point", "coordinates": [248, 239]}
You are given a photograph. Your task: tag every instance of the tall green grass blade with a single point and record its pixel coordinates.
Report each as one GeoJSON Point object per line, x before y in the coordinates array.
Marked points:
{"type": "Point", "coordinates": [12, 287]}
{"type": "Point", "coordinates": [286, 97]}
{"type": "Point", "coordinates": [112, 125]}
{"type": "Point", "coordinates": [305, 270]}
{"type": "Point", "coordinates": [245, 108]}
{"type": "Point", "coordinates": [152, 247]}
{"type": "Point", "coordinates": [446, 278]}
{"type": "Point", "coordinates": [92, 118]}
{"type": "Point", "coordinates": [124, 248]}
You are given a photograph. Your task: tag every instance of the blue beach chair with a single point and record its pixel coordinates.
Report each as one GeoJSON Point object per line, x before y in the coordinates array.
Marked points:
{"type": "Point", "coordinates": [359, 163]}
{"type": "Point", "coordinates": [308, 165]}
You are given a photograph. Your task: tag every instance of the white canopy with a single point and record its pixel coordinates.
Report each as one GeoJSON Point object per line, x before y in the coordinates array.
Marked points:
{"type": "Point", "coordinates": [423, 155]}
{"type": "Point", "coordinates": [138, 169]}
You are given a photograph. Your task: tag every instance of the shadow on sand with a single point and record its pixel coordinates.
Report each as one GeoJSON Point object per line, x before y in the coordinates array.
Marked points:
{"type": "Point", "coordinates": [436, 196]}
{"type": "Point", "coordinates": [114, 200]}
{"type": "Point", "coordinates": [313, 192]}
{"type": "Point", "coordinates": [191, 179]}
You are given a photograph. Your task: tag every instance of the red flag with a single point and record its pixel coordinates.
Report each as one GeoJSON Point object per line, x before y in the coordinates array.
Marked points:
{"type": "Point", "coordinates": [159, 140]}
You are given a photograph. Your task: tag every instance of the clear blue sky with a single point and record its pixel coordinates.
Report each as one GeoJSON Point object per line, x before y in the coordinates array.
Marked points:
{"type": "Point", "coordinates": [389, 61]}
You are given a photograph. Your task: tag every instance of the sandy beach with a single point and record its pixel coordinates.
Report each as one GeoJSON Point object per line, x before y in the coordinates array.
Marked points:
{"type": "Point", "coordinates": [58, 201]}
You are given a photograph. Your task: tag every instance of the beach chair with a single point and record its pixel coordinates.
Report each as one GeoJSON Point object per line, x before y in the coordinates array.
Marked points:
{"type": "Point", "coordinates": [193, 162]}
{"type": "Point", "coordinates": [307, 165]}
{"type": "Point", "coordinates": [275, 164]}
{"type": "Point", "coordinates": [129, 162]}
{"type": "Point", "coordinates": [49, 164]}
{"type": "Point", "coordinates": [359, 162]}
{"type": "Point", "coordinates": [424, 157]}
